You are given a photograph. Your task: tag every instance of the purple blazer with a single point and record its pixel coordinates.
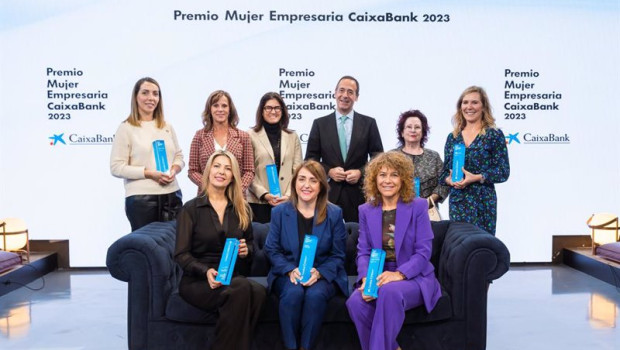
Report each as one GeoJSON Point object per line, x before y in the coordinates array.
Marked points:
{"type": "Point", "coordinates": [413, 241]}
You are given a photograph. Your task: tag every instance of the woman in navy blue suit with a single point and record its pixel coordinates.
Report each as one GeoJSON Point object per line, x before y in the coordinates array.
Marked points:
{"type": "Point", "coordinates": [302, 305]}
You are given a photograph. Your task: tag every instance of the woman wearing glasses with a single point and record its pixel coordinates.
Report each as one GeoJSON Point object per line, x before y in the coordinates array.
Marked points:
{"type": "Point", "coordinates": [273, 144]}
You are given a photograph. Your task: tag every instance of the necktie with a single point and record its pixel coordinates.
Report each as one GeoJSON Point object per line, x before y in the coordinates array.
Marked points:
{"type": "Point", "coordinates": [342, 137]}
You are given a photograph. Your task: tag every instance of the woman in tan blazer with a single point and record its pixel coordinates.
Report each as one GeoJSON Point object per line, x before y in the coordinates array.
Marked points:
{"type": "Point", "coordinates": [273, 143]}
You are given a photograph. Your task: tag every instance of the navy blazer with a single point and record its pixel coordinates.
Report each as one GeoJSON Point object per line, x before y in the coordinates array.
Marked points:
{"type": "Point", "coordinates": [282, 245]}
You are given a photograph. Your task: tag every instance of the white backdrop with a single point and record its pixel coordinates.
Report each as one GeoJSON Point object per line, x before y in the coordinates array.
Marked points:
{"type": "Point", "coordinates": [569, 51]}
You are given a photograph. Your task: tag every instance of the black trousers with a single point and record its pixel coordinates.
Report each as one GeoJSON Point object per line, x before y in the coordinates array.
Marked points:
{"type": "Point", "coordinates": [238, 305]}
{"type": "Point", "coordinates": [143, 209]}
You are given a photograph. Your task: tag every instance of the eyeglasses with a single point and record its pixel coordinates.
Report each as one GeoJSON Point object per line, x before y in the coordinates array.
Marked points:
{"type": "Point", "coordinates": [268, 109]}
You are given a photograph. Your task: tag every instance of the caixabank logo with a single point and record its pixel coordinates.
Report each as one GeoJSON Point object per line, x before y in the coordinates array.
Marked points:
{"type": "Point", "coordinates": [75, 139]}
{"type": "Point", "coordinates": [531, 138]}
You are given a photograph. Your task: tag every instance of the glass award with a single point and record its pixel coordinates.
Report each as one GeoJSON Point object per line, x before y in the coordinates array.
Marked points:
{"type": "Point", "coordinates": [306, 262]}
{"type": "Point", "coordinates": [375, 268]}
{"type": "Point", "coordinates": [227, 262]}
{"type": "Point", "coordinates": [458, 162]}
{"type": "Point", "coordinates": [161, 159]}
{"type": "Point", "coordinates": [416, 187]}
{"type": "Point", "coordinates": [272, 178]}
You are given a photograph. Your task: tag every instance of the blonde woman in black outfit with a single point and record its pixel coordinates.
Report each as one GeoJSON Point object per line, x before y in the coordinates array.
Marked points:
{"type": "Point", "coordinates": [203, 225]}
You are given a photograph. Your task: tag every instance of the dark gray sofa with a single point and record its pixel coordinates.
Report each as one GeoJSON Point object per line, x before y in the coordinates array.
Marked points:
{"type": "Point", "coordinates": [466, 259]}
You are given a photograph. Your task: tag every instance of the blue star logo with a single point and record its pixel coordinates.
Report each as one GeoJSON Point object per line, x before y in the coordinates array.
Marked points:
{"type": "Point", "coordinates": [513, 137]}
{"type": "Point", "coordinates": [57, 138]}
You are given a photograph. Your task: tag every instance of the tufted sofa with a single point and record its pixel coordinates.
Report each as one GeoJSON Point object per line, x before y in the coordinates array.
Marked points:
{"type": "Point", "coordinates": [466, 259]}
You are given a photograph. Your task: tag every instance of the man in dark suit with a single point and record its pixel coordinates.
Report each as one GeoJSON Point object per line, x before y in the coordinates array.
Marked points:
{"type": "Point", "coordinates": [342, 142]}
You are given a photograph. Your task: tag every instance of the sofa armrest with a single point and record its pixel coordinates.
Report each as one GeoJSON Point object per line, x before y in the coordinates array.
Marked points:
{"type": "Point", "coordinates": [144, 259]}
{"type": "Point", "coordinates": [470, 259]}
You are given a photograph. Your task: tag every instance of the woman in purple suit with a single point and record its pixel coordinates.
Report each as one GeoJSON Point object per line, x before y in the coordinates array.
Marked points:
{"type": "Point", "coordinates": [394, 221]}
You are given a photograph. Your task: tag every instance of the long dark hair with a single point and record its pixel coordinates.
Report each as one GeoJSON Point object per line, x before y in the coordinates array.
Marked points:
{"type": "Point", "coordinates": [284, 119]}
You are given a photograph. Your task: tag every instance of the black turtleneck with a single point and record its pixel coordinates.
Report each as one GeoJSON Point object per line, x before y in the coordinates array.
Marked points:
{"type": "Point", "coordinates": [274, 133]}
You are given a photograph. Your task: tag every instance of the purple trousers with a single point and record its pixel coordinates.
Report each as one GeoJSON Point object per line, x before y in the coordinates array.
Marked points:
{"type": "Point", "coordinates": [379, 321]}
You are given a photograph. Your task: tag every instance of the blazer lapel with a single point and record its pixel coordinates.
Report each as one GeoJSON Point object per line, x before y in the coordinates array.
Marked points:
{"type": "Point", "coordinates": [208, 140]}
{"type": "Point", "coordinates": [264, 141]}
{"type": "Point", "coordinates": [403, 216]}
{"type": "Point", "coordinates": [356, 133]}
{"type": "Point", "coordinates": [232, 142]}
{"type": "Point", "coordinates": [290, 229]}
{"type": "Point", "coordinates": [320, 229]}
{"type": "Point", "coordinates": [375, 224]}
{"type": "Point", "coordinates": [284, 151]}
{"type": "Point", "coordinates": [332, 136]}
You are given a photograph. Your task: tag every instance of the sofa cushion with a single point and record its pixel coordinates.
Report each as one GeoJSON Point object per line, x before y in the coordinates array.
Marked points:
{"type": "Point", "coordinates": [8, 260]}
{"type": "Point", "coordinates": [442, 311]}
{"type": "Point", "coordinates": [177, 309]}
{"type": "Point", "coordinates": [610, 251]}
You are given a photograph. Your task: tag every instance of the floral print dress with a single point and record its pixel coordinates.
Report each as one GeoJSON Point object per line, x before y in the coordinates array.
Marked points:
{"type": "Point", "coordinates": [486, 155]}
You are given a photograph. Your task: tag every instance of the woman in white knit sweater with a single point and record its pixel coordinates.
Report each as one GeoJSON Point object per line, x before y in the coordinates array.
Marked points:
{"type": "Point", "coordinates": [150, 195]}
